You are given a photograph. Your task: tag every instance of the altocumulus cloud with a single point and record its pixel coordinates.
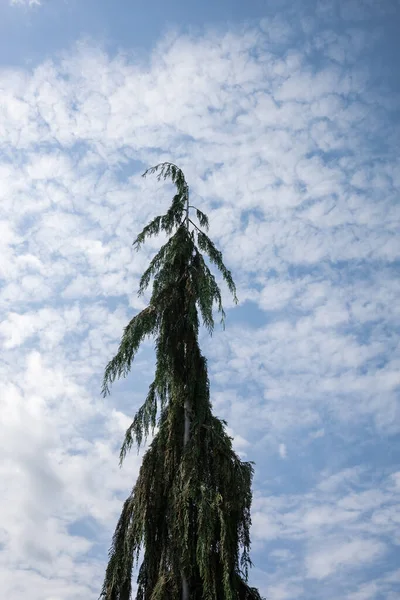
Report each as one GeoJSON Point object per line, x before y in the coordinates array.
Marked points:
{"type": "Point", "coordinates": [294, 160]}
{"type": "Point", "coordinates": [25, 2]}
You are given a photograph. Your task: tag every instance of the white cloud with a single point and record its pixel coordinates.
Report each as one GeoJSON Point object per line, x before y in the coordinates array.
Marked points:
{"type": "Point", "coordinates": [340, 526]}
{"type": "Point", "coordinates": [25, 2]}
{"type": "Point", "coordinates": [317, 434]}
{"type": "Point", "coordinates": [281, 554]}
{"type": "Point", "coordinates": [278, 152]}
{"type": "Point", "coordinates": [355, 553]}
{"type": "Point", "coordinates": [367, 592]}
{"type": "Point", "coordinates": [282, 450]}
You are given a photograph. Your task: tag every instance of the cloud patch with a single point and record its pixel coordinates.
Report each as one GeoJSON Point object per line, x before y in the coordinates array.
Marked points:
{"type": "Point", "coordinates": [25, 2]}
{"type": "Point", "coordinates": [349, 554]}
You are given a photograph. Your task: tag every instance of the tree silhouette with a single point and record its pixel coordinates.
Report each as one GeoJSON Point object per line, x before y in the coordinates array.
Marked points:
{"type": "Point", "coordinates": [189, 510]}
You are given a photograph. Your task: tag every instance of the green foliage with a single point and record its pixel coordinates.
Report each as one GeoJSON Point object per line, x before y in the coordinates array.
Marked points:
{"type": "Point", "coordinates": [203, 219]}
{"type": "Point", "coordinates": [189, 510]}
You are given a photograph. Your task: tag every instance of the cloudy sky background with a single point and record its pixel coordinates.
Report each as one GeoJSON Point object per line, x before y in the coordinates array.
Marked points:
{"type": "Point", "coordinates": [286, 123]}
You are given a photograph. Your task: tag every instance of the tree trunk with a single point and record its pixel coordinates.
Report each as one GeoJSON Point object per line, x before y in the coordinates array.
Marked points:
{"type": "Point", "coordinates": [186, 437]}
{"type": "Point", "coordinates": [186, 434]}
{"type": "Point", "coordinates": [185, 588]}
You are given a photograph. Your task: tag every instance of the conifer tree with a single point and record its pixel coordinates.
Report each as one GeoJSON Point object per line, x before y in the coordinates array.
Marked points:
{"type": "Point", "coordinates": [189, 511]}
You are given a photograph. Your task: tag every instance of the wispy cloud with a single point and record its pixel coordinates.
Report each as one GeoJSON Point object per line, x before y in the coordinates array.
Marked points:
{"type": "Point", "coordinates": [25, 2]}
{"type": "Point", "coordinates": [326, 561]}
{"type": "Point", "coordinates": [282, 450]}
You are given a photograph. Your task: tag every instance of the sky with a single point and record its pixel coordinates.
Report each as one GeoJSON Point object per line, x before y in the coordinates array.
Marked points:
{"type": "Point", "coordinates": [285, 117]}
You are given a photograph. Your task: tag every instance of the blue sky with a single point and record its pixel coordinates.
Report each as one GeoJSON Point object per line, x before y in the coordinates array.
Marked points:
{"type": "Point", "coordinates": [285, 118]}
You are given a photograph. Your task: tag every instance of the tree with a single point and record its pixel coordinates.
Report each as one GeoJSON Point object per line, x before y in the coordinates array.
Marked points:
{"type": "Point", "coordinates": [189, 510]}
